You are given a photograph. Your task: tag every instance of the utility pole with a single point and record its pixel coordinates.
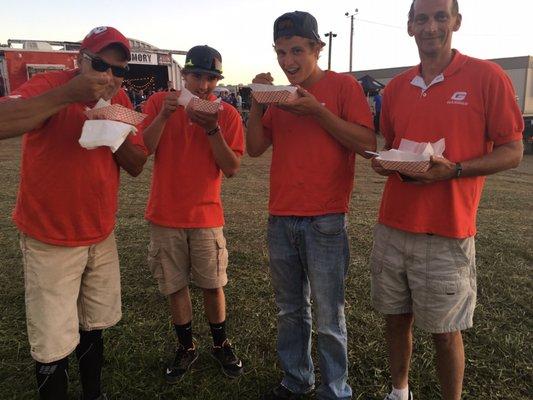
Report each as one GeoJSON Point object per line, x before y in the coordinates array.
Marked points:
{"type": "Point", "coordinates": [330, 35]}
{"type": "Point", "coordinates": [351, 33]}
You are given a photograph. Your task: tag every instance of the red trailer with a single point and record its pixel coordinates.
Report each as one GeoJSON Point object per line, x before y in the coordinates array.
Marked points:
{"type": "Point", "coordinates": [19, 65]}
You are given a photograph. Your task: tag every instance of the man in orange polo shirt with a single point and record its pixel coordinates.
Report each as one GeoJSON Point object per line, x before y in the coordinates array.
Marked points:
{"type": "Point", "coordinates": [314, 140]}
{"type": "Point", "coordinates": [192, 149]}
{"type": "Point", "coordinates": [423, 259]}
{"type": "Point", "coordinates": [66, 210]}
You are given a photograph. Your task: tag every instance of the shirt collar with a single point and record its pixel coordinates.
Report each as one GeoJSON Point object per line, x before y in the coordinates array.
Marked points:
{"type": "Point", "coordinates": [458, 60]}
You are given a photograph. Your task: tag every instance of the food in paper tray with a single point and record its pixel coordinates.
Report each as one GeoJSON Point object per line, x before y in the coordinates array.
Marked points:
{"type": "Point", "coordinates": [268, 94]}
{"type": "Point", "coordinates": [187, 99]}
{"type": "Point", "coordinates": [108, 125]}
{"type": "Point", "coordinates": [411, 156]}
{"type": "Point", "coordinates": [210, 107]}
{"type": "Point", "coordinates": [116, 112]}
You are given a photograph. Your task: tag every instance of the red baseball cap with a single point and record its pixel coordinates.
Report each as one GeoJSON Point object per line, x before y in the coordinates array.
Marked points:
{"type": "Point", "coordinates": [103, 36]}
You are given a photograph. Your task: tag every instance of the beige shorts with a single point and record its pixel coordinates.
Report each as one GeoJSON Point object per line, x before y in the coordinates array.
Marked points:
{"type": "Point", "coordinates": [430, 276]}
{"type": "Point", "coordinates": [68, 288]}
{"type": "Point", "coordinates": [176, 254]}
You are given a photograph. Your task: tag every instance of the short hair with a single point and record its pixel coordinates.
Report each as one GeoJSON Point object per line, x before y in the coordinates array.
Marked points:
{"type": "Point", "coordinates": [455, 9]}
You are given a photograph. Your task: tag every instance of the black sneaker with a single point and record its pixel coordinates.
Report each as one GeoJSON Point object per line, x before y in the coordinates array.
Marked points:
{"type": "Point", "coordinates": [281, 393]}
{"type": "Point", "coordinates": [230, 363]}
{"type": "Point", "coordinates": [182, 362]}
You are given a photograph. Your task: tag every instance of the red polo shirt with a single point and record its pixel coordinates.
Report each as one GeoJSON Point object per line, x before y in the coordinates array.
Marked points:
{"type": "Point", "coordinates": [186, 180]}
{"type": "Point", "coordinates": [67, 194]}
{"type": "Point", "coordinates": [473, 106]}
{"type": "Point", "coordinates": [312, 173]}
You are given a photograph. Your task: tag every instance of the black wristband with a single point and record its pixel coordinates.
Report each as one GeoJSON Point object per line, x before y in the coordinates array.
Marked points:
{"type": "Point", "coordinates": [458, 170]}
{"type": "Point", "coordinates": [213, 131]}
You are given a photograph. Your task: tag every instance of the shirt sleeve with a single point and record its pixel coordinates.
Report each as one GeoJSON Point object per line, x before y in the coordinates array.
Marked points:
{"type": "Point", "coordinates": [354, 107]}
{"type": "Point", "coordinates": [504, 119]}
{"type": "Point", "coordinates": [233, 131]}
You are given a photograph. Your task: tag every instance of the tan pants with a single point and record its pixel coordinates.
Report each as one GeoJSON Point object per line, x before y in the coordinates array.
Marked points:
{"type": "Point", "coordinates": [176, 254]}
{"type": "Point", "coordinates": [68, 288]}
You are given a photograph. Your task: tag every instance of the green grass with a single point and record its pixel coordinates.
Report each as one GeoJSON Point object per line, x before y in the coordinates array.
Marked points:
{"type": "Point", "coordinates": [498, 348]}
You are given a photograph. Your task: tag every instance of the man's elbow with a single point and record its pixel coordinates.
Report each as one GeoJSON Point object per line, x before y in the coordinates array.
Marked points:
{"type": "Point", "coordinates": [230, 172]}
{"type": "Point", "coordinates": [515, 158]}
{"type": "Point", "coordinates": [134, 171]}
{"type": "Point", "coordinates": [253, 152]}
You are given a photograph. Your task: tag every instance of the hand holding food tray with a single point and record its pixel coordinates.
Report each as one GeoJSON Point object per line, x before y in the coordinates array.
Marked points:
{"type": "Point", "coordinates": [270, 94]}
{"type": "Point", "coordinates": [108, 125]}
{"type": "Point", "coordinates": [410, 157]}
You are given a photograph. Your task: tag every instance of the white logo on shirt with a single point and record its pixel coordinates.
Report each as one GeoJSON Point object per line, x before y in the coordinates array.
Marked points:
{"type": "Point", "coordinates": [458, 98]}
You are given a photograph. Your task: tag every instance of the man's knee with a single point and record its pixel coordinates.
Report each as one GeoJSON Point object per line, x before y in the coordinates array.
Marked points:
{"type": "Point", "coordinates": [447, 339]}
{"type": "Point", "coordinates": [213, 292]}
{"type": "Point", "coordinates": [399, 321]}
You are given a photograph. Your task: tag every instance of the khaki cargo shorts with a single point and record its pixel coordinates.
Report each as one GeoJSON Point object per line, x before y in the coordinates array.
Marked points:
{"type": "Point", "coordinates": [175, 254]}
{"type": "Point", "coordinates": [68, 288]}
{"type": "Point", "coordinates": [430, 276]}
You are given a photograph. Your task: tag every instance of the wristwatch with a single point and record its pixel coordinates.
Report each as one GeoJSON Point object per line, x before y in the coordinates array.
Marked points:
{"type": "Point", "coordinates": [458, 170]}
{"type": "Point", "coordinates": [213, 131]}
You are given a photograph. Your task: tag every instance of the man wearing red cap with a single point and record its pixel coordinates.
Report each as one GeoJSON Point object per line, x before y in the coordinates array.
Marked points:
{"type": "Point", "coordinates": [65, 211]}
{"type": "Point", "coordinates": [192, 150]}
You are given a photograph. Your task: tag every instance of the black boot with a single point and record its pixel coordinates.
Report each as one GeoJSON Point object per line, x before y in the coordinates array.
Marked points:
{"type": "Point", "coordinates": [52, 380]}
{"type": "Point", "coordinates": [90, 354]}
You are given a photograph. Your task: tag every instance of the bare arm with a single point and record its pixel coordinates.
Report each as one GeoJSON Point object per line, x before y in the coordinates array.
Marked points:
{"type": "Point", "coordinates": [152, 134]}
{"type": "Point", "coordinates": [225, 157]}
{"type": "Point", "coordinates": [352, 136]}
{"type": "Point", "coordinates": [256, 140]}
{"type": "Point", "coordinates": [130, 157]}
{"type": "Point", "coordinates": [19, 116]}
{"type": "Point", "coordinates": [503, 157]}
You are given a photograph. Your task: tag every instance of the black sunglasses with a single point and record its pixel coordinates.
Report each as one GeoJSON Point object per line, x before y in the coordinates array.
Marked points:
{"type": "Point", "coordinates": [101, 66]}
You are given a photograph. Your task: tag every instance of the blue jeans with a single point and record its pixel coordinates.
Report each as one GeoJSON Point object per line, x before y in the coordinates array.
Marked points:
{"type": "Point", "coordinates": [309, 257]}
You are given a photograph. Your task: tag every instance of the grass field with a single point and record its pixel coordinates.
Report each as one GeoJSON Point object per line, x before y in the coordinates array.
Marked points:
{"type": "Point", "coordinates": [498, 348]}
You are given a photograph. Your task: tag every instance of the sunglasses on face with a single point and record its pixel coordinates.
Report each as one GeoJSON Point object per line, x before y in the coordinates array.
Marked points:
{"type": "Point", "coordinates": [101, 66]}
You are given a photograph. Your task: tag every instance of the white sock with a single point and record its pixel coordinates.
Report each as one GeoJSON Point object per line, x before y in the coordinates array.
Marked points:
{"type": "Point", "coordinates": [400, 394]}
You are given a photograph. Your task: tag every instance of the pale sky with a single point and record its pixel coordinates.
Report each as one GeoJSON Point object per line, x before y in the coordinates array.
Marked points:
{"type": "Point", "coordinates": [242, 30]}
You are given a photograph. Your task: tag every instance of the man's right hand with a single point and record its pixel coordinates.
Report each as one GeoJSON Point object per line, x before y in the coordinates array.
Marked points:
{"type": "Point", "coordinates": [170, 104]}
{"type": "Point", "coordinates": [85, 88]}
{"type": "Point", "coordinates": [377, 167]}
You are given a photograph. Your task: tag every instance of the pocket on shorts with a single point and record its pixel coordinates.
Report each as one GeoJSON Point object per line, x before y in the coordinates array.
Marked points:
{"type": "Point", "coordinates": [449, 286]}
{"type": "Point", "coordinates": [222, 255]}
{"type": "Point", "coordinates": [329, 225]}
{"type": "Point", "coordinates": [463, 250]}
{"type": "Point", "coordinates": [154, 260]}
{"type": "Point", "coordinates": [380, 246]}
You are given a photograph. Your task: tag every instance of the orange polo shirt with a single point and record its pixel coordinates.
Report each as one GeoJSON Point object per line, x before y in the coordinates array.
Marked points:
{"type": "Point", "coordinates": [67, 194]}
{"type": "Point", "coordinates": [186, 180]}
{"type": "Point", "coordinates": [472, 105]}
{"type": "Point", "coordinates": [311, 172]}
